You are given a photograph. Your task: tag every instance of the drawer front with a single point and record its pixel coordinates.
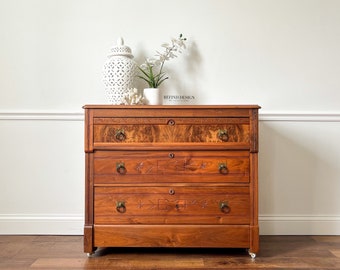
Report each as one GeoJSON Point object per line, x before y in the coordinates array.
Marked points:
{"type": "Point", "coordinates": [171, 205]}
{"type": "Point", "coordinates": [171, 130]}
{"type": "Point", "coordinates": [172, 236]}
{"type": "Point", "coordinates": [167, 166]}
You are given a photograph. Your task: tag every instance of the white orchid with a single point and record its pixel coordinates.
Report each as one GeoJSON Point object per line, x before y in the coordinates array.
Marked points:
{"type": "Point", "coordinates": [155, 77]}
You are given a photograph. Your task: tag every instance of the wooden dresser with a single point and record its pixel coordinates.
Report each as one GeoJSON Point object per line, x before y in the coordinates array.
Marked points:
{"type": "Point", "coordinates": [171, 176]}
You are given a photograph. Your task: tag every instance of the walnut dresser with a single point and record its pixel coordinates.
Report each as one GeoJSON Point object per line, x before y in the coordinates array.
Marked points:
{"type": "Point", "coordinates": [171, 176]}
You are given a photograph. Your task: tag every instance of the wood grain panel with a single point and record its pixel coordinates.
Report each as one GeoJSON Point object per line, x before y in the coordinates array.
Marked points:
{"type": "Point", "coordinates": [143, 167]}
{"type": "Point", "coordinates": [172, 205]}
{"type": "Point", "coordinates": [172, 236]}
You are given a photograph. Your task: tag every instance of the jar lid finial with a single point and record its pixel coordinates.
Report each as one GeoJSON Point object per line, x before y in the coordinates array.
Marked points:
{"type": "Point", "coordinates": [120, 49]}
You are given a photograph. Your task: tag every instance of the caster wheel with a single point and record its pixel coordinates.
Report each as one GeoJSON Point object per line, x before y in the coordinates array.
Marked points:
{"type": "Point", "coordinates": [251, 254]}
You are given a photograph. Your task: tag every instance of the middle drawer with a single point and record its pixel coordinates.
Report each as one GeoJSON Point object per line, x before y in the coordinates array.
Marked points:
{"type": "Point", "coordinates": [170, 167]}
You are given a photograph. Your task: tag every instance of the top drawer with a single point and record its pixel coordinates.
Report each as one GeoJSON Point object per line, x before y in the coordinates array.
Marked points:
{"type": "Point", "coordinates": [119, 127]}
{"type": "Point", "coordinates": [171, 130]}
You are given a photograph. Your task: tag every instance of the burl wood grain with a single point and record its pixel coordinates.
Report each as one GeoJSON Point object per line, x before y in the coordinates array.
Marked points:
{"type": "Point", "coordinates": [167, 133]}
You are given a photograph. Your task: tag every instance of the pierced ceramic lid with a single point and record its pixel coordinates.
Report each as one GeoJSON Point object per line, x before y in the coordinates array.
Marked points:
{"type": "Point", "coordinates": [120, 49]}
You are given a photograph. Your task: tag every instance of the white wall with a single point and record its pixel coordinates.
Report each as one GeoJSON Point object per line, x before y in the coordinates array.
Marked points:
{"type": "Point", "coordinates": [280, 54]}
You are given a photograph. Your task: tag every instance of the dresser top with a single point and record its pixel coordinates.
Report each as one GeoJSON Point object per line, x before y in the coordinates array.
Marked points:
{"type": "Point", "coordinates": [101, 106]}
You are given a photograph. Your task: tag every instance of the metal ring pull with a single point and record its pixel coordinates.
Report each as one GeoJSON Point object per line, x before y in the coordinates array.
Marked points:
{"type": "Point", "coordinates": [120, 135]}
{"type": "Point", "coordinates": [171, 155]}
{"type": "Point", "coordinates": [223, 135]}
{"type": "Point", "coordinates": [222, 167]}
{"type": "Point", "coordinates": [224, 207]}
{"type": "Point", "coordinates": [120, 166]}
{"type": "Point", "coordinates": [120, 207]}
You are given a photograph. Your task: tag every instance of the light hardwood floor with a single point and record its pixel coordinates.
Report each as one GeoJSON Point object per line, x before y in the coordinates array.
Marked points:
{"type": "Point", "coordinates": [66, 252]}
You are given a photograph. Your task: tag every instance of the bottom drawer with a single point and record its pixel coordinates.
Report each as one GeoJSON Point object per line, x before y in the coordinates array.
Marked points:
{"type": "Point", "coordinates": [171, 205]}
{"type": "Point", "coordinates": [172, 236]}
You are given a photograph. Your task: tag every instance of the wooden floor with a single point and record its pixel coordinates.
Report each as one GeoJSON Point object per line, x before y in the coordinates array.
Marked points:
{"type": "Point", "coordinates": [65, 252]}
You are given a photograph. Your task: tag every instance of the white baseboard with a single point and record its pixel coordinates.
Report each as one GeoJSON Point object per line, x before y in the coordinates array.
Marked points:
{"type": "Point", "coordinates": [73, 225]}
{"type": "Point", "coordinates": [42, 224]}
{"type": "Point", "coordinates": [299, 225]}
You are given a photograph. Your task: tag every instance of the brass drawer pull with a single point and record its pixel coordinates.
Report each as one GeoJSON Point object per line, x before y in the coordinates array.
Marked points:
{"type": "Point", "coordinates": [120, 207]}
{"type": "Point", "coordinates": [223, 135]}
{"type": "Point", "coordinates": [120, 135]}
{"type": "Point", "coordinates": [224, 207]}
{"type": "Point", "coordinates": [171, 155]}
{"type": "Point", "coordinates": [120, 166]}
{"type": "Point", "coordinates": [222, 167]}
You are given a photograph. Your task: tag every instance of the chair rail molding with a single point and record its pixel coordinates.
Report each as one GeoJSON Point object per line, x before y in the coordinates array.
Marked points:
{"type": "Point", "coordinates": [42, 115]}
{"type": "Point", "coordinates": [300, 116]}
{"type": "Point", "coordinates": [79, 116]}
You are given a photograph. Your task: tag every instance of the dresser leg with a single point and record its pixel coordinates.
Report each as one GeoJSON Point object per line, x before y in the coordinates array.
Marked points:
{"type": "Point", "coordinates": [88, 240]}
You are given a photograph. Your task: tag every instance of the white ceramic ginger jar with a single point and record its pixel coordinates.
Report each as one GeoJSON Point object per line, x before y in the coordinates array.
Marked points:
{"type": "Point", "coordinates": [119, 72]}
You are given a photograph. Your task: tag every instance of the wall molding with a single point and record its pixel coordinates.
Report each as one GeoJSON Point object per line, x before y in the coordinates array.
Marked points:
{"type": "Point", "coordinates": [300, 117]}
{"type": "Point", "coordinates": [299, 225]}
{"type": "Point", "coordinates": [42, 116]}
{"type": "Point", "coordinates": [73, 224]}
{"type": "Point", "coordinates": [42, 224]}
{"type": "Point", "coordinates": [79, 116]}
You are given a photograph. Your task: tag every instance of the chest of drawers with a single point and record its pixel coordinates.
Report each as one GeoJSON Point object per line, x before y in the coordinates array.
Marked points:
{"type": "Point", "coordinates": [171, 176]}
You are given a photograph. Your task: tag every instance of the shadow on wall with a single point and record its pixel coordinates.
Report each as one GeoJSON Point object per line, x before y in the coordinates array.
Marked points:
{"type": "Point", "coordinates": [184, 71]}
{"type": "Point", "coordinates": [189, 84]}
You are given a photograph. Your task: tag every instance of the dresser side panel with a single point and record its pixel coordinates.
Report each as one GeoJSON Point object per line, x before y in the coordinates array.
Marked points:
{"type": "Point", "coordinates": [88, 128]}
{"type": "Point", "coordinates": [254, 131]}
